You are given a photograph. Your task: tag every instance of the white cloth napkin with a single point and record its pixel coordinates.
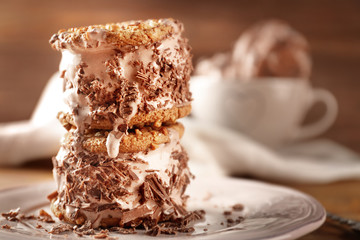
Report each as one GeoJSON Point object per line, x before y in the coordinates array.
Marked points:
{"type": "Point", "coordinates": [213, 150]}
{"type": "Point", "coordinates": [216, 150]}
{"type": "Point", "coordinates": [38, 137]}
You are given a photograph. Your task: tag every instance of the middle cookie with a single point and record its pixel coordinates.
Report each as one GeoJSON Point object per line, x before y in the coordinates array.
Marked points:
{"type": "Point", "coordinates": [137, 140]}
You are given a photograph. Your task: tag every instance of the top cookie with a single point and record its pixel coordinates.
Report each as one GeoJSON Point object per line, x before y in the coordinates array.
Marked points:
{"type": "Point", "coordinates": [116, 35]}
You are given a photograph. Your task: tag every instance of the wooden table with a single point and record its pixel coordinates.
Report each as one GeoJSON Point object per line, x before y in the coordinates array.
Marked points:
{"type": "Point", "coordinates": [331, 27]}
{"type": "Point", "coordinates": [341, 198]}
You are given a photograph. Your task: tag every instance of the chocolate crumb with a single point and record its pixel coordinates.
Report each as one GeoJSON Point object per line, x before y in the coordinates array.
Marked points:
{"type": "Point", "coordinates": [227, 213]}
{"type": "Point", "coordinates": [5, 226]}
{"type": "Point", "coordinates": [238, 207]}
{"type": "Point", "coordinates": [187, 230]}
{"type": "Point", "coordinates": [154, 232]}
{"type": "Point", "coordinates": [102, 234]}
{"type": "Point", "coordinates": [205, 229]}
{"type": "Point", "coordinates": [11, 215]}
{"type": "Point", "coordinates": [230, 220]}
{"type": "Point", "coordinates": [27, 217]}
{"type": "Point", "coordinates": [239, 219]}
{"type": "Point", "coordinates": [171, 225]}
{"type": "Point", "coordinates": [84, 229]}
{"type": "Point", "coordinates": [45, 217]}
{"type": "Point", "coordinates": [178, 225]}
{"type": "Point", "coordinates": [123, 230]}
{"type": "Point", "coordinates": [60, 228]}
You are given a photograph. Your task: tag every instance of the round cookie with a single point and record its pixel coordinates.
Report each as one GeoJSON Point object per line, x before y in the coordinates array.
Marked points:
{"type": "Point", "coordinates": [134, 33]}
{"type": "Point", "coordinates": [137, 140]}
{"type": "Point", "coordinates": [156, 118]}
{"type": "Point", "coordinates": [60, 213]}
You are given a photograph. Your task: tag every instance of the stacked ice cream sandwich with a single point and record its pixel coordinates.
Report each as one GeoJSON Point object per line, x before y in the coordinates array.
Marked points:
{"type": "Point", "coordinates": [121, 162]}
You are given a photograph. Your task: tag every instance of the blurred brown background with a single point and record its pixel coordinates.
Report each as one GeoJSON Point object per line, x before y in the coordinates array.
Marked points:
{"type": "Point", "coordinates": [332, 28]}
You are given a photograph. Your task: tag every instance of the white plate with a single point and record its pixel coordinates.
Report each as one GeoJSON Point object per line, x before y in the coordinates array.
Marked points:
{"type": "Point", "coordinates": [271, 212]}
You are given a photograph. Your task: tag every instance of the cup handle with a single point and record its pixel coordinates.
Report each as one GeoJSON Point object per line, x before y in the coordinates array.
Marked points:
{"type": "Point", "coordinates": [320, 126]}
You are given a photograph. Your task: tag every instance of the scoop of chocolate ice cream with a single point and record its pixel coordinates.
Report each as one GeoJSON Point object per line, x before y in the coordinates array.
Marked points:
{"type": "Point", "coordinates": [267, 49]}
{"type": "Point", "coordinates": [271, 48]}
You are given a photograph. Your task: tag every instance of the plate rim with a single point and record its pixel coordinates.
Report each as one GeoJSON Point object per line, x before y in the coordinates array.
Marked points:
{"type": "Point", "coordinates": [293, 233]}
{"type": "Point", "coordinates": [280, 234]}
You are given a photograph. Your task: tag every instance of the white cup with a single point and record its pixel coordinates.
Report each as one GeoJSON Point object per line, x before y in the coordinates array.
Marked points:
{"type": "Point", "coordinates": [269, 110]}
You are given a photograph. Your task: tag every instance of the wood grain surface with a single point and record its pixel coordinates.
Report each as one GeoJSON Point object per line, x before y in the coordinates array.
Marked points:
{"type": "Point", "coordinates": [331, 27]}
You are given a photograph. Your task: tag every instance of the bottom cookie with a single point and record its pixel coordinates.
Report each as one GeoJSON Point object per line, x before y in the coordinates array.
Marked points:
{"type": "Point", "coordinates": [153, 224]}
{"type": "Point", "coordinates": [107, 218]}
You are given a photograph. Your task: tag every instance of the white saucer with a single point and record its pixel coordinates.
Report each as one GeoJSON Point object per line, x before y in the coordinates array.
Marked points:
{"type": "Point", "coordinates": [270, 211]}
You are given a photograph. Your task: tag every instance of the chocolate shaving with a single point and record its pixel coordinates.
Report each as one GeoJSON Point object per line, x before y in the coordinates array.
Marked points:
{"type": "Point", "coordinates": [171, 225]}
{"type": "Point", "coordinates": [133, 176]}
{"type": "Point", "coordinates": [60, 228]}
{"type": "Point", "coordinates": [157, 188]}
{"type": "Point", "coordinates": [106, 206]}
{"type": "Point", "coordinates": [85, 229]}
{"type": "Point", "coordinates": [27, 217]}
{"type": "Point", "coordinates": [123, 230]}
{"type": "Point", "coordinates": [155, 231]}
{"type": "Point", "coordinates": [12, 215]}
{"type": "Point", "coordinates": [45, 217]}
{"type": "Point", "coordinates": [192, 217]}
{"type": "Point", "coordinates": [146, 191]}
{"type": "Point", "coordinates": [181, 210]}
{"type": "Point", "coordinates": [134, 214]}
{"type": "Point", "coordinates": [102, 234]}
{"type": "Point", "coordinates": [156, 214]}
{"type": "Point", "coordinates": [5, 226]}
{"type": "Point", "coordinates": [177, 225]}
{"type": "Point", "coordinates": [52, 195]}
{"type": "Point", "coordinates": [142, 77]}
